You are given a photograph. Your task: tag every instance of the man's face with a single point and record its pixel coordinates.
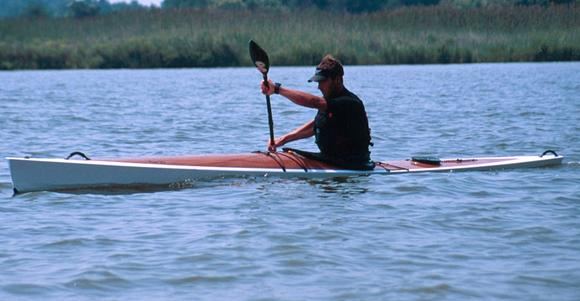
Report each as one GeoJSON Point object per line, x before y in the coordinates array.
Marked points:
{"type": "Point", "coordinates": [328, 87]}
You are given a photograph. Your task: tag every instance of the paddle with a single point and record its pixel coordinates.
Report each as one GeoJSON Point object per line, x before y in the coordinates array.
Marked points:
{"type": "Point", "coordinates": [261, 61]}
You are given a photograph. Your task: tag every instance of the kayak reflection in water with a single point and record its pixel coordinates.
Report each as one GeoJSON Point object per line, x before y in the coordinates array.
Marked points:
{"type": "Point", "coordinates": [340, 127]}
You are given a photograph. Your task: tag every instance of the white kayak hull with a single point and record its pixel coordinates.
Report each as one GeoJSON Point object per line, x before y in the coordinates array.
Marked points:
{"type": "Point", "coordinates": [39, 174]}
{"type": "Point", "coordinates": [59, 174]}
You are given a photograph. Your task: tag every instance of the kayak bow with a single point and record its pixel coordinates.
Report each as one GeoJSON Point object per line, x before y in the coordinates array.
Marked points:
{"type": "Point", "coordinates": [38, 174]}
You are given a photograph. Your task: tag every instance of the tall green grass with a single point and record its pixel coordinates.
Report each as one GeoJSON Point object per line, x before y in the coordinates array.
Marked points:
{"type": "Point", "coordinates": [206, 38]}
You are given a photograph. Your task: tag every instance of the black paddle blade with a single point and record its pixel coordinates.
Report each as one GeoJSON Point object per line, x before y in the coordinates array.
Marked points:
{"type": "Point", "coordinates": [259, 57]}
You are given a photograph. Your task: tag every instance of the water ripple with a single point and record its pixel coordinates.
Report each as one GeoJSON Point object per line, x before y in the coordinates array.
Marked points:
{"type": "Point", "coordinates": [504, 235]}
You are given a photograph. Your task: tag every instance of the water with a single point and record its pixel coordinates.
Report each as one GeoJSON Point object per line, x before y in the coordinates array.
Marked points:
{"type": "Point", "coordinates": [506, 235]}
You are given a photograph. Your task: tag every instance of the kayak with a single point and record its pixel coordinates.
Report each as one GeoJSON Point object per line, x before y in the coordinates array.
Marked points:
{"type": "Point", "coordinates": [50, 174]}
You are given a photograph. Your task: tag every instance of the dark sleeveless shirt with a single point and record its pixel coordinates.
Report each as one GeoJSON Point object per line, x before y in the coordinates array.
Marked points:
{"type": "Point", "coordinates": [342, 131]}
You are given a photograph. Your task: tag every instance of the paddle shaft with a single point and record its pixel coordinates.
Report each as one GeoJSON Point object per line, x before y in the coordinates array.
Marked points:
{"type": "Point", "coordinates": [262, 62]}
{"type": "Point", "coordinates": [270, 119]}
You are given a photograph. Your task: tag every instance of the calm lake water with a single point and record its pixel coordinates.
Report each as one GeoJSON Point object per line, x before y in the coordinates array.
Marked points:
{"type": "Point", "coordinates": [505, 235]}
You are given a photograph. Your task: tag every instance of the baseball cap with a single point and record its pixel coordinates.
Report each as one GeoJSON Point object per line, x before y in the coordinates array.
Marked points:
{"type": "Point", "coordinates": [329, 67]}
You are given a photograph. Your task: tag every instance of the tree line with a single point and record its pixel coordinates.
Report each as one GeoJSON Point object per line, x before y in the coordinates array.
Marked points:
{"type": "Point", "coordinates": [351, 6]}
{"type": "Point", "coordinates": [63, 8]}
{"type": "Point", "coordinates": [88, 8]}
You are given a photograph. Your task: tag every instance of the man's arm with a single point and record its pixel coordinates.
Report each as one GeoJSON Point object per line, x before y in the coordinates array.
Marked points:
{"type": "Point", "coordinates": [298, 97]}
{"type": "Point", "coordinates": [305, 131]}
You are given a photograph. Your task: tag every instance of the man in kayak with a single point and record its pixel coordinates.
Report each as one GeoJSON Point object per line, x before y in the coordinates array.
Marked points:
{"type": "Point", "coordinates": [340, 127]}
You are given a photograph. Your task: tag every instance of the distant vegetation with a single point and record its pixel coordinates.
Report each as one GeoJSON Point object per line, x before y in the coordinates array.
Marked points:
{"type": "Point", "coordinates": [84, 8]}
{"type": "Point", "coordinates": [208, 36]}
{"type": "Point", "coordinates": [62, 8]}
{"type": "Point", "coordinates": [351, 6]}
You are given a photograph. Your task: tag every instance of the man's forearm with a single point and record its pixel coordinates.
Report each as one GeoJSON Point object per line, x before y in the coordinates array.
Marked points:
{"type": "Point", "coordinates": [303, 98]}
{"type": "Point", "coordinates": [305, 131]}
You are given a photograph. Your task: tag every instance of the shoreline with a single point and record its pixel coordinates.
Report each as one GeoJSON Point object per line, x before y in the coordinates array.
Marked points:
{"type": "Point", "coordinates": [205, 38]}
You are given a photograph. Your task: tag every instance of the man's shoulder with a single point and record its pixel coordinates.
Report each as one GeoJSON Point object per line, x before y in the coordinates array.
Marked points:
{"type": "Point", "coordinates": [347, 98]}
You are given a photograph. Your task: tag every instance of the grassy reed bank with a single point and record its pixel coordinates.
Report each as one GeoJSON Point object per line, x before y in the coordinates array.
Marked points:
{"type": "Point", "coordinates": [206, 38]}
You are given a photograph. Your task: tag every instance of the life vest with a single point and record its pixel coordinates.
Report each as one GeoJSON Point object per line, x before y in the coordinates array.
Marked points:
{"type": "Point", "coordinates": [342, 131]}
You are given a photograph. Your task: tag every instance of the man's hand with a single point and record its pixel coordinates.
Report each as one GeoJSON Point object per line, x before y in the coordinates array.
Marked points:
{"type": "Point", "coordinates": [267, 88]}
{"type": "Point", "coordinates": [272, 145]}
